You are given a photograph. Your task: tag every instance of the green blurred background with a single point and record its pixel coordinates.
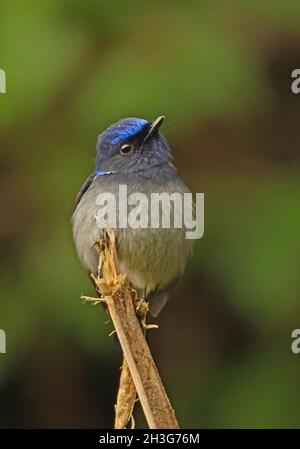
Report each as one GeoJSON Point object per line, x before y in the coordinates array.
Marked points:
{"type": "Point", "coordinates": [221, 73]}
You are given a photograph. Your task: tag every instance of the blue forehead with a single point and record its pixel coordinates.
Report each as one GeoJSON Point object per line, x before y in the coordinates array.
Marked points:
{"type": "Point", "coordinates": [122, 131]}
{"type": "Point", "coordinates": [127, 128]}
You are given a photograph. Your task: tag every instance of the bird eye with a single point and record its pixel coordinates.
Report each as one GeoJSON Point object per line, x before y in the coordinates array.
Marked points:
{"type": "Point", "coordinates": [126, 148]}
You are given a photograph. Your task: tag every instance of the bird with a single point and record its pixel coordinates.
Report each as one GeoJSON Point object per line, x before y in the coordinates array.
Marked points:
{"type": "Point", "coordinates": [134, 153]}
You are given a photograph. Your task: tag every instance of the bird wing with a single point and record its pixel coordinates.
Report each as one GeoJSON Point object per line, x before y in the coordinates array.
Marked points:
{"type": "Point", "coordinates": [85, 187]}
{"type": "Point", "coordinates": [89, 181]}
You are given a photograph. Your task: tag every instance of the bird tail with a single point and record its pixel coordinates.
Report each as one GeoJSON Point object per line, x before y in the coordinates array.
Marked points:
{"type": "Point", "coordinates": [157, 301]}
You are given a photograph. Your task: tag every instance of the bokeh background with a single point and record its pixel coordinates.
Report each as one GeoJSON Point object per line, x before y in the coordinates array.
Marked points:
{"type": "Point", "coordinates": [221, 73]}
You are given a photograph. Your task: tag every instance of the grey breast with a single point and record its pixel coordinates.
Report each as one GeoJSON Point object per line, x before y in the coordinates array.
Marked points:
{"type": "Point", "coordinates": [151, 258]}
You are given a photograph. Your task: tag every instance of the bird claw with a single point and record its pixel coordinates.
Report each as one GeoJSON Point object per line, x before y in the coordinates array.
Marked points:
{"type": "Point", "coordinates": [142, 308]}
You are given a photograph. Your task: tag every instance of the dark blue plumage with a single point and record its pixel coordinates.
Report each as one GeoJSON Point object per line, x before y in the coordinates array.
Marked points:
{"type": "Point", "coordinates": [118, 132]}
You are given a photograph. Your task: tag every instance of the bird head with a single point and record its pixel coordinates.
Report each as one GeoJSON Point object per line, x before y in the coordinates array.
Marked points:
{"type": "Point", "coordinates": [131, 145]}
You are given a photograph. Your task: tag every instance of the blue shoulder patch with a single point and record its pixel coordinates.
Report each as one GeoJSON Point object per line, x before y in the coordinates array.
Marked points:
{"type": "Point", "coordinates": [102, 173]}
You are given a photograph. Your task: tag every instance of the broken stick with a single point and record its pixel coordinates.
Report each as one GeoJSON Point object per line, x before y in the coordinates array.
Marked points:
{"type": "Point", "coordinates": [120, 298]}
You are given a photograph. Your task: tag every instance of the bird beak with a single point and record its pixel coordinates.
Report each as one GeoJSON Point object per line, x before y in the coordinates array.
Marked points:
{"type": "Point", "coordinates": [155, 125]}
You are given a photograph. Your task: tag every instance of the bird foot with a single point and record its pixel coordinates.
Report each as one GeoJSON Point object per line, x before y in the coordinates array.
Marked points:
{"type": "Point", "coordinates": [142, 308]}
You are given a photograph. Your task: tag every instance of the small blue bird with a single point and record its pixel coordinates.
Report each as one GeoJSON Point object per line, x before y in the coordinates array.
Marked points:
{"type": "Point", "coordinates": [132, 152]}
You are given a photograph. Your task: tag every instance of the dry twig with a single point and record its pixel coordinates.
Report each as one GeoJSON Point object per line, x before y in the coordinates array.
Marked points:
{"type": "Point", "coordinates": [120, 298]}
{"type": "Point", "coordinates": [126, 398]}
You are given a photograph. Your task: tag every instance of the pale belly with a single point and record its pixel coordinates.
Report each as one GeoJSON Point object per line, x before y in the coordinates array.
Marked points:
{"type": "Point", "coordinates": [151, 258]}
